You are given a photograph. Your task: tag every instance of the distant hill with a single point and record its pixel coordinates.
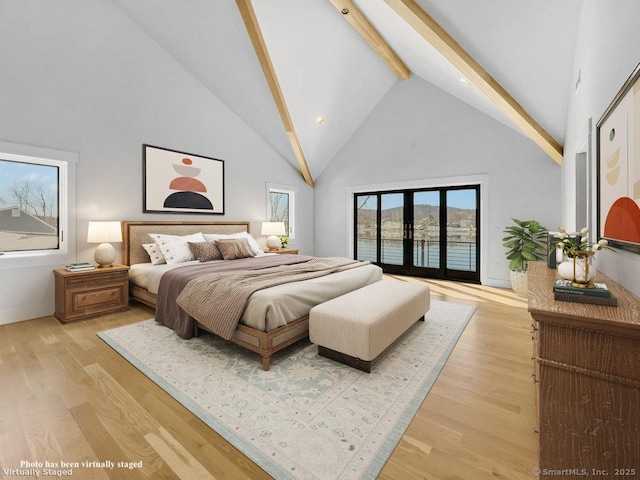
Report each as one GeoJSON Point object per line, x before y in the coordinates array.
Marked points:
{"type": "Point", "coordinates": [424, 215]}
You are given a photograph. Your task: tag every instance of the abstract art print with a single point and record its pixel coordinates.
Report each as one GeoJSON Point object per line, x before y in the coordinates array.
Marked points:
{"type": "Point", "coordinates": [618, 138]}
{"type": "Point", "coordinates": [180, 182]}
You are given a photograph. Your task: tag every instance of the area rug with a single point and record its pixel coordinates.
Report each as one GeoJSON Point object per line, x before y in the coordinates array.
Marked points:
{"type": "Point", "coordinates": [308, 417]}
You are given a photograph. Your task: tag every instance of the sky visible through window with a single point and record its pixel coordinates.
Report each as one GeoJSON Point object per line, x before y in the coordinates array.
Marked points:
{"type": "Point", "coordinates": [29, 206]}
{"type": "Point", "coordinates": [464, 199]}
{"type": "Point", "coordinates": [17, 173]}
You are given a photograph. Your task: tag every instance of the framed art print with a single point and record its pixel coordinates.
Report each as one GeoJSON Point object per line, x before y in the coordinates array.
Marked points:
{"type": "Point", "coordinates": [180, 182]}
{"type": "Point", "coordinates": [618, 147]}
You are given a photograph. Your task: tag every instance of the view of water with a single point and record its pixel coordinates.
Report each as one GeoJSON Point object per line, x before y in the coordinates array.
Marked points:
{"type": "Point", "coordinates": [460, 255]}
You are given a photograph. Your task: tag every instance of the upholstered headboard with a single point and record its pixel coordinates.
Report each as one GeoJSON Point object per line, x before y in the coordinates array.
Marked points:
{"type": "Point", "coordinates": [135, 233]}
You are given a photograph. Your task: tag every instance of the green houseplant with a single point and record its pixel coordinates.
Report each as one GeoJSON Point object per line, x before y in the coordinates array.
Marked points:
{"type": "Point", "coordinates": [526, 242]}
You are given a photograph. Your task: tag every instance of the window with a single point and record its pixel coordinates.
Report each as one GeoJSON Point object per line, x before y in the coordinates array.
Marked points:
{"type": "Point", "coordinates": [281, 207]}
{"type": "Point", "coordinates": [32, 204]}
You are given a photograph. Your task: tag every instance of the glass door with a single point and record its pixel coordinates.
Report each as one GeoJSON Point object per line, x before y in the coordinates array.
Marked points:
{"type": "Point", "coordinates": [392, 232]}
{"type": "Point", "coordinates": [366, 228]}
{"type": "Point", "coordinates": [425, 226]}
{"type": "Point", "coordinates": [462, 244]}
{"type": "Point", "coordinates": [421, 232]}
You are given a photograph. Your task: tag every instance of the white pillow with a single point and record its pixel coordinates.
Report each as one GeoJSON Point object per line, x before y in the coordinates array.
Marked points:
{"type": "Point", "coordinates": [255, 248]}
{"type": "Point", "coordinates": [155, 254]}
{"type": "Point", "coordinates": [175, 248]}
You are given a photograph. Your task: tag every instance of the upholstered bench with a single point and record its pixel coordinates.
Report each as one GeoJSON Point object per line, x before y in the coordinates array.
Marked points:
{"type": "Point", "coordinates": [357, 327]}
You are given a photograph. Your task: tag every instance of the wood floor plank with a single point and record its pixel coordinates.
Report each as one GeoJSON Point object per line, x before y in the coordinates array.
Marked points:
{"type": "Point", "coordinates": [13, 446]}
{"type": "Point", "coordinates": [177, 457]}
{"type": "Point", "coordinates": [124, 419]}
{"type": "Point", "coordinates": [35, 422]}
{"type": "Point", "coordinates": [104, 446]}
{"type": "Point", "coordinates": [221, 458]}
{"type": "Point", "coordinates": [72, 396]}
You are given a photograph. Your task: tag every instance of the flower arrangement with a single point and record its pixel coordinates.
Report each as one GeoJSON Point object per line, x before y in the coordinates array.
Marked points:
{"type": "Point", "coordinates": [579, 243]}
{"type": "Point", "coordinates": [284, 240]}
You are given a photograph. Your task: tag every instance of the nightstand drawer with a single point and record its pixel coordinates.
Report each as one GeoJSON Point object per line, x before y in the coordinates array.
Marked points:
{"type": "Point", "coordinates": [85, 280]}
{"type": "Point", "coordinates": [82, 301]}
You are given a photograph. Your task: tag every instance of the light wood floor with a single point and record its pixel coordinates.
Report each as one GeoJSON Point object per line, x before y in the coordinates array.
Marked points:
{"type": "Point", "coordinates": [65, 396]}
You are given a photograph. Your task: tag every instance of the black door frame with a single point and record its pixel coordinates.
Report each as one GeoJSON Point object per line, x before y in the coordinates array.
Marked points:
{"type": "Point", "coordinates": [407, 268]}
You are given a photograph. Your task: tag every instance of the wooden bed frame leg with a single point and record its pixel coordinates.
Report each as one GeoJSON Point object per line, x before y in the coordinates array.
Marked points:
{"type": "Point", "coordinates": [266, 361]}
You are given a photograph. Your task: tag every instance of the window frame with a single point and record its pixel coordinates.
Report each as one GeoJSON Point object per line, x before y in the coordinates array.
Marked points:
{"type": "Point", "coordinates": [66, 164]}
{"type": "Point", "coordinates": [291, 192]}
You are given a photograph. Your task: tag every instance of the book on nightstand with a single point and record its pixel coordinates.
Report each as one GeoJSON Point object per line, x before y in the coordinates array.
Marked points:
{"type": "Point", "coordinates": [80, 267]}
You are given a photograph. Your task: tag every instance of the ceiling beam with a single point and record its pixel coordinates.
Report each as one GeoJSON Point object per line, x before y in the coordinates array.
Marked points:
{"type": "Point", "coordinates": [355, 17]}
{"type": "Point", "coordinates": [260, 47]}
{"type": "Point", "coordinates": [432, 32]}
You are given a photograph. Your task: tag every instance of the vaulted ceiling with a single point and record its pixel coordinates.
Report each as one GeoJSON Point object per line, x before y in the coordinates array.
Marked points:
{"type": "Point", "coordinates": [323, 67]}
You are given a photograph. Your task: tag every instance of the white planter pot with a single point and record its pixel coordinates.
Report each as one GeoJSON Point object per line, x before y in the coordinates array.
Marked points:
{"type": "Point", "coordinates": [519, 283]}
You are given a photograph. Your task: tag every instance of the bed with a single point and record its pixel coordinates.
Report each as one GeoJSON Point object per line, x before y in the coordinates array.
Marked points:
{"type": "Point", "coordinates": [284, 307]}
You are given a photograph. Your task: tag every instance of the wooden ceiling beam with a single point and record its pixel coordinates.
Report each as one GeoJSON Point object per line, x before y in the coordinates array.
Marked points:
{"type": "Point", "coordinates": [432, 32]}
{"type": "Point", "coordinates": [356, 18]}
{"type": "Point", "coordinates": [257, 40]}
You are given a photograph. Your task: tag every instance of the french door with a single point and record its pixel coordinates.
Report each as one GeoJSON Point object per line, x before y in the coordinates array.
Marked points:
{"type": "Point", "coordinates": [430, 232]}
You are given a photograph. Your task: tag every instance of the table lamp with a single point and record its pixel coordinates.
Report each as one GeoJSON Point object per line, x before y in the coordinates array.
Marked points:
{"type": "Point", "coordinates": [273, 229]}
{"type": "Point", "coordinates": [104, 233]}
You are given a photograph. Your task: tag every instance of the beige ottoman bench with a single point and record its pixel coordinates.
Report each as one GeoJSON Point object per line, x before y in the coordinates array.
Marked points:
{"type": "Point", "coordinates": [357, 327]}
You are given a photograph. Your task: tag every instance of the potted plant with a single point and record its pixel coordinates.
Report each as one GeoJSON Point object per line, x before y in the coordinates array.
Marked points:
{"type": "Point", "coordinates": [526, 242]}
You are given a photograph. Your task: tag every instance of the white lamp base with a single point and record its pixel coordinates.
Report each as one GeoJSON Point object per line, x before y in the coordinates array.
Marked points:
{"type": "Point", "coordinates": [105, 255]}
{"type": "Point", "coordinates": [274, 242]}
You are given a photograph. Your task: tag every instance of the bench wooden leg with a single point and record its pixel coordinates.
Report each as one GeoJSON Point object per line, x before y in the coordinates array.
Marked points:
{"type": "Point", "coordinates": [266, 363]}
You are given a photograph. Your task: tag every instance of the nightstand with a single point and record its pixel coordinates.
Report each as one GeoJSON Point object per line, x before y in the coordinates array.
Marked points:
{"type": "Point", "coordinates": [290, 251]}
{"type": "Point", "coordinates": [81, 295]}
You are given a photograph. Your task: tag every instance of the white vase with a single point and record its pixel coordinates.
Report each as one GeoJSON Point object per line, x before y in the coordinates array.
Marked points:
{"type": "Point", "coordinates": [565, 270]}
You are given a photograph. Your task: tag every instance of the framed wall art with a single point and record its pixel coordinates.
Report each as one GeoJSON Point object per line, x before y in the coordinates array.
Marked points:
{"type": "Point", "coordinates": [180, 182]}
{"type": "Point", "coordinates": [618, 147]}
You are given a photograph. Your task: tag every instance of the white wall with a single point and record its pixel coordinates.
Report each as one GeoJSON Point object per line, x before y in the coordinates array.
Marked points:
{"type": "Point", "coordinates": [420, 135]}
{"type": "Point", "coordinates": [608, 50]}
{"type": "Point", "coordinates": [81, 77]}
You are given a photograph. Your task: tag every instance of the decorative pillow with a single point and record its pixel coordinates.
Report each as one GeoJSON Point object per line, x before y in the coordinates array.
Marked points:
{"type": "Point", "coordinates": [205, 251]}
{"type": "Point", "coordinates": [234, 248]}
{"type": "Point", "coordinates": [253, 244]}
{"type": "Point", "coordinates": [176, 248]}
{"type": "Point", "coordinates": [155, 254]}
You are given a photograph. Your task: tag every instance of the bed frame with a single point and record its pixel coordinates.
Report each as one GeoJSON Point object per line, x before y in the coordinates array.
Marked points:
{"type": "Point", "coordinates": [134, 234]}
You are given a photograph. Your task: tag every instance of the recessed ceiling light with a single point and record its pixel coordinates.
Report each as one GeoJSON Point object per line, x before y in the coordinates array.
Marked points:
{"type": "Point", "coordinates": [320, 120]}
{"type": "Point", "coordinates": [464, 81]}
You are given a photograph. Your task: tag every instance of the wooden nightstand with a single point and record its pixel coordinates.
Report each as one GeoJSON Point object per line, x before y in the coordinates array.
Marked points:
{"type": "Point", "coordinates": [290, 251]}
{"type": "Point", "coordinates": [81, 295]}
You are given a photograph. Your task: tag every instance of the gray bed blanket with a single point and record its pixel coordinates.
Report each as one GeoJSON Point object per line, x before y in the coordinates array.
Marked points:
{"type": "Point", "coordinates": [169, 313]}
{"type": "Point", "coordinates": [217, 300]}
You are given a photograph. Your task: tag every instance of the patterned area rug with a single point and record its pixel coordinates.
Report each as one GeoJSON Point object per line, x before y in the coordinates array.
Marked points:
{"type": "Point", "coordinates": [308, 417]}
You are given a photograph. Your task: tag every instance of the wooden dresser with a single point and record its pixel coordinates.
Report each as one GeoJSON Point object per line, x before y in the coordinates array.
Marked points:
{"type": "Point", "coordinates": [587, 377]}
{"type": "Point", "coordinates": [81, 295]}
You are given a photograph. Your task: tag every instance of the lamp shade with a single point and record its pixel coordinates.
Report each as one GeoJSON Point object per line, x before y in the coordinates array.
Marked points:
{"type": "Point", "coordinates": [273, 228]}
{"type": "Point", "coordinates": [104, 233]}
{"type": "Point", "coordinates": [101, 232]}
